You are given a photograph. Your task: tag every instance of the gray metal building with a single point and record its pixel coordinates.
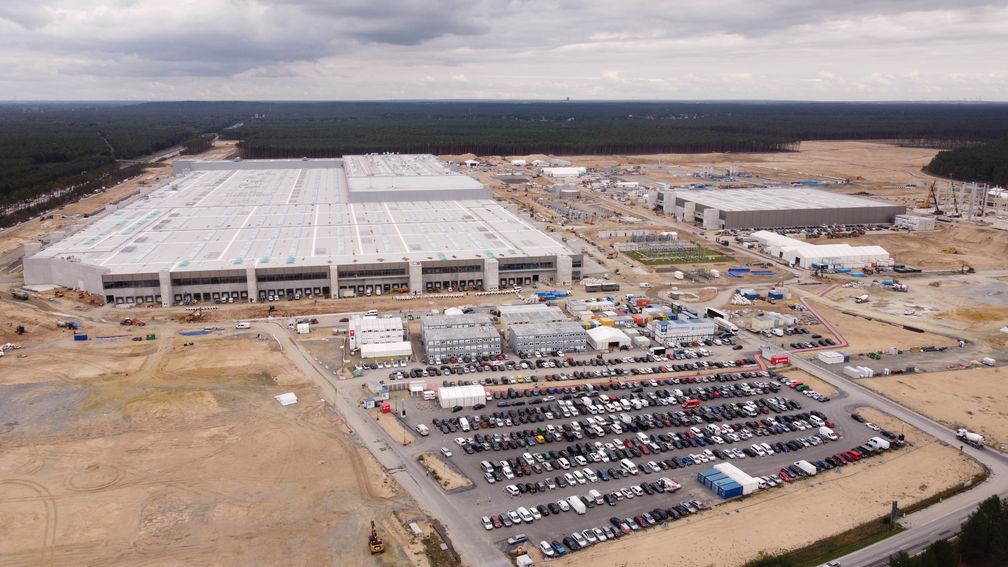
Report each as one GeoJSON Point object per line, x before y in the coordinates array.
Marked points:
{"type": "Point", "coordinates": [446, 336]}
{"type": "Point", "coordinates": [773, 207]}
{"type": "Point", "coordinates": [525, 340]}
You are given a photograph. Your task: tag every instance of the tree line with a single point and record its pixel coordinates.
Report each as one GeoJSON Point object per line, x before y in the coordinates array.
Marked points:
{"type": "Point", "coordinates": [985, 163]}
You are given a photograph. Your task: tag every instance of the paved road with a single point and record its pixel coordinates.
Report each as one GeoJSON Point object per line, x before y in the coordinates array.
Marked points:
{"type": "Point", "coordinates": [468, 538]}
{"type": "Point", "coordinates": [939, 520]}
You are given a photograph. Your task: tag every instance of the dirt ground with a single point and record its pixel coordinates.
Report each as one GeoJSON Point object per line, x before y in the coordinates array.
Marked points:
{"type": "Point", "coordinates": [867, 336]}
{"type": "Point", "coordinates": [983, 248]}
{"type": "Point", "coordinates": [161, 453]}
{"type": "Point", "coordinates": [974, 398]}
{"type": "Point", "coordinates": [811, 510]}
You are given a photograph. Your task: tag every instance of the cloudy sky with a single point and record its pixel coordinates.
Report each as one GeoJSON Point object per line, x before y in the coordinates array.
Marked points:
{"type": "Point", "coordinates": [503, 49]}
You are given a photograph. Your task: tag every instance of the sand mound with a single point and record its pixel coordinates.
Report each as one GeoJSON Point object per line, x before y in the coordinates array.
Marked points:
{"type": "Point", "coordinates": [167, 407]}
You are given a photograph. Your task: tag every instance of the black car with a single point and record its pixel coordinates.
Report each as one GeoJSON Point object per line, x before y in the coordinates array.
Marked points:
{"type": "Point", "coordinates": [553, 507]}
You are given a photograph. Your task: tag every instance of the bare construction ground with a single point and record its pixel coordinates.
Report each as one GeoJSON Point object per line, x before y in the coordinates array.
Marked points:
{"type": "Point", "coordinates": [125, 453]}
{"type": "Point", "coordinates": [791, 517]}
{"type": "Point", "coordinates": [974, 398]}
{"type": "Point", "coordinates": [866, 336]}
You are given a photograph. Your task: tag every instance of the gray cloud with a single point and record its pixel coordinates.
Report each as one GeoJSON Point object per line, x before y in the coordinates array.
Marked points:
{"type": "Point", "coordinates": [151, 49]}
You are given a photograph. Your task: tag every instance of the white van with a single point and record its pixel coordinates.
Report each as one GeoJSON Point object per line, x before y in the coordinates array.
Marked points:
{"type": "Point", "coordinates": [422, 430]}
{"type": "Point", "coordinates": [371, 313]}
{"type": "Point", "coordinates": [629, 466]}
{"type": "Point", "coordinates": [243, 325]}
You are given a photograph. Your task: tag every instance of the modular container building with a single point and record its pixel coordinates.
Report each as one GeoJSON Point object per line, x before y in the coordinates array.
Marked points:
{"type": "Point", "coordinates": [748, 483]}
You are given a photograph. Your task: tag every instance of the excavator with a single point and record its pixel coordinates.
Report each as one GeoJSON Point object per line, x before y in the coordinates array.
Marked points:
{"type": "Point", "coordinates": [375, 543]}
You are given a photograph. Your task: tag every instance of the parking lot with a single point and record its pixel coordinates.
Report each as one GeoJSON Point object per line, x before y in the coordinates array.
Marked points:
{"type": "Point", "coordinates": [666, 418]}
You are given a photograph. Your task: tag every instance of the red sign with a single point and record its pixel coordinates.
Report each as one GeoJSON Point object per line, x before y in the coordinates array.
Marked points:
{"type": "Point", "coordinates": [779, 359]}
{"type": "Point", "coordinates": [352, 333]}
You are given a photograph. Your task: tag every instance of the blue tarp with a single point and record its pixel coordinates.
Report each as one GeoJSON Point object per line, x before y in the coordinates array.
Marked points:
{"type": "Point", "coordinates": [193, 333]}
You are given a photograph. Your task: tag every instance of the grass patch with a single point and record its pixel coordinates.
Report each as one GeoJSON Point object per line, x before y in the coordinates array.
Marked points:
{"type": "Point", "coordinates": [694, 255]}
{"type": "Point", "coordinates": [845, 542]}
{"type": "Point", "coordinates": [435, 555]}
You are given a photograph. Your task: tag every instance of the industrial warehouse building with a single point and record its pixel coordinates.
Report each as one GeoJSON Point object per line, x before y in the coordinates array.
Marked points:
{"type": "Point", "coordinates": [446, 336]}
{"type": "Point", "coordinates": [814, 256]}
{"type": "Point", "coordinates": [262, 229]}
{"type": "Point", "coordinates": [544, 338]}
{"type": "Point", "coordinates": [773, 207]}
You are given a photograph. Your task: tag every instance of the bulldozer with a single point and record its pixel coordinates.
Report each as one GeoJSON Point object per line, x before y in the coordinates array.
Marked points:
{"type": "Point", "coordinates": [375, 543]}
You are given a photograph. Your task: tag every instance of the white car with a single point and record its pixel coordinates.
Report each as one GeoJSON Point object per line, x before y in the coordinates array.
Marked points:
{"type": "Point", "coordinates": [512, 490]}
{"type": "Point", "coordinates": [487, 524]}
{"type": "Point", "coordinates": [872, 426]}
{"type": "Point", "coordinates": [580, 539]}
{"type": "Point", "coordinates": [564, 506]}
{"type": "Point", "coordinates": [514, 517]}
{"type": "Point", "coordinates": [546, 548]}
{"type": "Point", "coordinates": [460, 441]}
{"type": "Point", "coordinates": [446, 452]}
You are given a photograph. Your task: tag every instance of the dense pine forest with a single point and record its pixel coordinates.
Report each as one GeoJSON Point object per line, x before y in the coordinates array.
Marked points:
{"type": "Point", "coordinates": [985, 163]}
{"type": "Point", "coordinates": [74, 148]}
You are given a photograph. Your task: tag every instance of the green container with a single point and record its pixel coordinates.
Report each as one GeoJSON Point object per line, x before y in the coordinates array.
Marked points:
{"type": "Point", "coordinates": [151, 337]}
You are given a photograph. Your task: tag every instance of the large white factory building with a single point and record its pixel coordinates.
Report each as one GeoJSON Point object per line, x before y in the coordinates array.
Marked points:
{"type": "Point", "coordinates": [251, 230]}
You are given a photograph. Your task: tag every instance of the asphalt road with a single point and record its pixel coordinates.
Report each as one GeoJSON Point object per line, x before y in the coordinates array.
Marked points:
{"type": "Point", "coordinates": [468, 539]}
{"type": "Point", "coordinates": [939, 520]}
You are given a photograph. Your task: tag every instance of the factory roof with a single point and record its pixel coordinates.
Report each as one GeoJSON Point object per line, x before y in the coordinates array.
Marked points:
{"type": "Point", "coordinates": [537, 329]}
{"type": "Point", "coordinates": [459, 333]}
{"type": "Point", "coordinates": [528, 316]}
{"type": "Point", "coordinates": [291, 213]}
{"type": "Point", "coordinates": [448, 321]}
{"type": "Point", "coordinates": [809, 249]}
{"type": "Point", "coordinates": [777, 198]}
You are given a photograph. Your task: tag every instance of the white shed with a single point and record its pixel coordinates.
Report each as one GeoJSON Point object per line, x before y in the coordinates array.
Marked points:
{"type": "Point", "coordinates": [606, 338]}
{"type": "Point", "coordinates": [381, 350]}
{"type": "Point", "coordinates": [465, 396]}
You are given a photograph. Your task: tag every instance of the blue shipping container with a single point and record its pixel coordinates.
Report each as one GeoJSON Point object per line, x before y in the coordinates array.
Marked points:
{"type": "Point", "coordinates": [80, 337]}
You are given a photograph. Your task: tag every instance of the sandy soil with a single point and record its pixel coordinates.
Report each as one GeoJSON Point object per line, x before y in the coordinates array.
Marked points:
{"type": "Point", "coordinates": [450, 478]}
{"type": "Point", "coordinates": [812, 509]}
{"type": "Point", "coordinates": [175, 454]}
{"type": "Point", "coordinates": [394, 427]}
{"type": "Point", "coordinates": [980, 247]}
{"type": "Point", "coordinates": [974, 398]}
{"type": "Point", "coordinates": [867, 336]}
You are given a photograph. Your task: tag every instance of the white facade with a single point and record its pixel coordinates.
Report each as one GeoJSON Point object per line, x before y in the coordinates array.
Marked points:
{"type": "Point", "coordinates": [672, 331]}
{"type": "Point", "coordinates": [382, 350]}
{"type": "Point", "coordinates": [805, 254]}
{"type": "Point", "coordinates": [914, 222]}
{"type": "Point", "coordinates": [564, 171]}
{"type": "Point", "coordinates": [375, 330]}
{"type": "Point", "coordinates": [605, 338]}
{"type": "Point", "coordinates": [465, 396]}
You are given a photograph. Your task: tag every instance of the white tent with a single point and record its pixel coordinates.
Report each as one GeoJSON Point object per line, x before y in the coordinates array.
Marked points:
{"type": "Point", "coordinates": [379, 350]}
{"type": "Point", "coordinates": [466, 396]}
{"type": "Point", "coordinates": [605, 338]}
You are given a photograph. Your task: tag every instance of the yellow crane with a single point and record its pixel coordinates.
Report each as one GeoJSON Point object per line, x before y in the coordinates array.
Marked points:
{"type": "Point", "coordinates": [375, 543]}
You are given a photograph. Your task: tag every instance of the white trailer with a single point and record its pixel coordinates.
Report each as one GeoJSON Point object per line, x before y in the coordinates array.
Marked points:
{"type": "Point", "coordinates": [726, 325]}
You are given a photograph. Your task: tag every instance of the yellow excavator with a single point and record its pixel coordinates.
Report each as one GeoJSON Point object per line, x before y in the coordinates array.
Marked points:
{"type": "Point", "coordinates": [375, 543]}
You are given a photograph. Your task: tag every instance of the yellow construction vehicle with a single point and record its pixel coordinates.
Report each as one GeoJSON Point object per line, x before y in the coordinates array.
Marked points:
{"type": "Point", "coordinates": [375, 544]}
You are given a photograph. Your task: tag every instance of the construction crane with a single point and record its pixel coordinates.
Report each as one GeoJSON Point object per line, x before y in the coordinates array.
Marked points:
{"type": "Point", "coordinates": [375, 544]}
{"type": "Point", "coordinates": [932, 198]}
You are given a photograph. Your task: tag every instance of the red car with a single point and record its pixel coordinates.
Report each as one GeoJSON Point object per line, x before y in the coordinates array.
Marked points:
{"type": "Point", "coordinates": [783, 475]}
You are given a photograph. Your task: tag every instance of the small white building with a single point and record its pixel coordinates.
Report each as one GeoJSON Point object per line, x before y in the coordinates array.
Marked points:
{"type": "Point", "coordinates": [519, 162]}
{"type": "Point", "coordinates": [465, 396]}
{"type": "Point", "coordinates": [914, 222]}
{"type": "Point", "coordinates": [608, 338]}
{"type": "Point", "coordinates": [811, 256]}
{"type": "Point", "coordinates": [571, 171]}
{"type": "Point", "coordinates": [375, 330]}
